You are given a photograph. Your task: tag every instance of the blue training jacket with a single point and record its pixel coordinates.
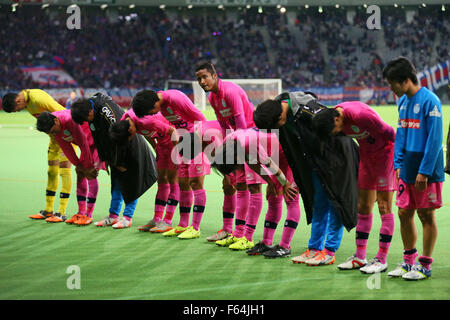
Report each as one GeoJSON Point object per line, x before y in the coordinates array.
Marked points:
{"type": "Point", "coordinates": [418, 142]}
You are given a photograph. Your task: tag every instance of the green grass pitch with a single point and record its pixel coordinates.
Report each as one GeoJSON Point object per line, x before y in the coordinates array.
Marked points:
{"type": "Point", "coordinates": [35, 256]}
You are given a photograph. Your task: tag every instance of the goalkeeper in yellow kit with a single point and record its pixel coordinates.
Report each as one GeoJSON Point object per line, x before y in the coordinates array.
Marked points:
{"type": "Point", "coordinates": [36, 101]}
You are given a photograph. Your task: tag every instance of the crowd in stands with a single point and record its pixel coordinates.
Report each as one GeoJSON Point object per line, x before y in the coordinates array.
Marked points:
{"type": "Point", "coordinates": [151, 46]}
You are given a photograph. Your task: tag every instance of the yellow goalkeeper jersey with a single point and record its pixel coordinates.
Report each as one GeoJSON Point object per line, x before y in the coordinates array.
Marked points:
{"type": "Point", "coordinates": [38, 101]}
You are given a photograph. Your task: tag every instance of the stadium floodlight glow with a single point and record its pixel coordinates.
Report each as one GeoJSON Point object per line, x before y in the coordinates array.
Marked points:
{"type": "Point", "coordinates": [282, 9]}
{"type": "Point", "coordinates": [365, 5]}
{"type": "Point", "coordinates": [132, 6]}
{"type": "Point", "coordinates": [424, 5]}
{"type": "Point", "coordinates": [248, 6]}
{"type": "Point", "coordinates": [45, 5]}
{"type": "Point", "coordinates": [162, 6]}
{"type": "Point", "coordinates": [260, 9]}
{"type": "Point", "coordinates": [104, 6]}
{"type": "Point", "coordinates": [306, 6]}
{"type": "Point", "coordinates": [443, 8]}
{"type": "Point", "coordinates": [395, 5]}
{"type": "Point", "coordinates": [220, 6]}
{"type": "Point", "coordinates": [337, 6]}
{"type": "Point", "coordinates": [278, 6]}
{"type": "Point", "coordinates": [320, 9]}
{"type": "Point", "coordinates": [190, 6]}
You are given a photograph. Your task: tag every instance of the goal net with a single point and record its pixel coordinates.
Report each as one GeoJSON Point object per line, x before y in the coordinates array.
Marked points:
{"type": "Point", "coordinates": [257, 90]}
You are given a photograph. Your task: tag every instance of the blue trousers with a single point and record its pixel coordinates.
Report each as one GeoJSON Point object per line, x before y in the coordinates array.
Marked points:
{"type": "Point", "coordinates": [117, 199]}
{"type": "Point", "coordinates": [327, 228]}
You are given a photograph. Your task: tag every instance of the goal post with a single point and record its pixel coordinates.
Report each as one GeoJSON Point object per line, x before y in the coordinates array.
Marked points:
{"type": "Point", "coordinates": [258, 90]}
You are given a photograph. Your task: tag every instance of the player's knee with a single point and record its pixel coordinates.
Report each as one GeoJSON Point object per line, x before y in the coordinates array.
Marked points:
{"type": "Point", "coordinates": [364, 208]}
{"type": "Point", "coordinates": [426, 217]}
{"type": "Point", "coordinates": [53, 172]}
{"type": "Point", "coordinates": [383, 207]}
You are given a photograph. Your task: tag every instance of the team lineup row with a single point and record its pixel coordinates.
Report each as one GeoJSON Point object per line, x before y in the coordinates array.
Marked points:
{"type": "Point", "coordinates": [292, 143]}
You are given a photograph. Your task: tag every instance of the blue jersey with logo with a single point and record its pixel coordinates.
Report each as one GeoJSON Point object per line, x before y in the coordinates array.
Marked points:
{"type": "Point", "coordinates": [418, 143]}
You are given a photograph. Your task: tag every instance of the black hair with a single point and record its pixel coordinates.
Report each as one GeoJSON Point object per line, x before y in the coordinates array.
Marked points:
{"type": "Point", "coordinates": [143, 102]}
{"type": "Point", "coordinates": [9, 102]}
{"type": "Point", "coordinates": [80, 110]}
{"type": "Point", "coordinates": [45, 122]}
{"type": "Point", "coordinates": [225, 162]}
{"type": "Point", "coordinates": [189, 151]}
{"type": "Point", "coordinates": [206, 65]}
{"type": "Point", "coordinates": [118, 132]}
{"type": "Point", "coordinates": [399, 70]}
{"type": "Point", "coordinates": [267, 114]}
{"type": "Point", "coordinates": [323, 122]}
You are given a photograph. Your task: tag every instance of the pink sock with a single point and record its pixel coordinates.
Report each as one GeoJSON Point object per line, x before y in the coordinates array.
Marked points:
{"type": "Point", "coordinates": [242, 199]}
{"type": "Point", "coordinates": [386, 232]}
{"type": "Point", "coordinates": [363, 228]}
{"type": "Point", "coordinates": [292, 219]}
{"type": "Point", "coordinates": [329, 252]}
{"type": "Point", "coordinates": [273, 216]}
{"type": "Point", "coordinates": [410, 255]}
{"type": "Point", "coordinates": [172, 202]}
{"type": "Point", "coordinates": [228, 209]}
{"type": "Point", "coordinates": [92, 196]}
{"type": "Point", "coordinates": [426, 261]}
{"type": "Point", "coordinates": [113, 215]}
{"type": "Point", "coordinates": [254, 210]}
{"type": "Point", "coordinates": [186, 199]}
{"type": "Point", "coordinates": [127, 217]}
{"type": "Point", "coordinates": [199, 207]}
{"type": "Point", "coordinates": [82, 187]}
{"type": "Point", "coordinates": [161, 200]}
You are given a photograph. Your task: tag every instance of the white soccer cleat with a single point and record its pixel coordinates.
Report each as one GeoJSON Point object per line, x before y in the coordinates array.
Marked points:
{"type": "Point", "coordinates": [402, 269]}
{"type": "Point", "coordinates": [352, 263]}
{"type": "Point", "coordinates": [374, 266]}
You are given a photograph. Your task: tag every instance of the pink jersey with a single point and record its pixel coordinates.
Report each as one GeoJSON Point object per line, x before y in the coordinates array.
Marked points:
{"type": "Point", "coordinates": [232, 106]}
{"type": "Point", "coordinates": [259, 145]}
{"type": "Point", "coordinates": [364, 124]}
{"type": "Point", "coordinates": [151, 126]}
{"type": "Point", "coordinates": [179, 110]}
{"type": "Point", "coordinates": [79, 135]}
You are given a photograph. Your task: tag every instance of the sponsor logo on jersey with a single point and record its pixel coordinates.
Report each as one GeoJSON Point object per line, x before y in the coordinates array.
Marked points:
{"type": "Point", "coordinates": [416, 108]}
{"type": "Point", "coordinates": [225, 112]}
{"type": "Point", "coordinates": [409, 123]}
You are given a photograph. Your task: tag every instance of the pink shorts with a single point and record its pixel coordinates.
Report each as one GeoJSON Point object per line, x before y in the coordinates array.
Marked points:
{"type": "Point", "coordinates": [409, 198]}
{"type": "Point", "coordinates": [248, 176]}
{"type": "Point", "coordinates": [199, 166]}
{"type": "Point", "coordinates": [163, 157]}
{"type": "Point", "coordinates": [376, 171]}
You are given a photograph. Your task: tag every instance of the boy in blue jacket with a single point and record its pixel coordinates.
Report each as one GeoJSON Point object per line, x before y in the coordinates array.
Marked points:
{"type": "Point", "coordinates": [419, 165]}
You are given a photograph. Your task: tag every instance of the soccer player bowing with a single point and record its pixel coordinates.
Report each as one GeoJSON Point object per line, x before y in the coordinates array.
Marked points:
{"type": "Point", "coordinates": [376, 178]}
{"type": "Point", "coordinates": [60, 126]}
{"type": "Point", "coordinates": [133, 167]}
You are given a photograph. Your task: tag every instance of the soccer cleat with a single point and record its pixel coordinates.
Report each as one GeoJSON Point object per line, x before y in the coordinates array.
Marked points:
{"type": "Point", "coordinates": [83, 221]}
{"type": "Point", "coordinates": [189, 233]}
{"type": "Point", "coordinates": [146, 227]}
{"type": "Point", "coordinates": [41, 215]}
{"type": "Point", "coordinates": [106, 222]}
{"type": "Point", "coordinates": [227, 241]}
{"type": "Point", "coordinates": [277, 252]}
{"type": "Point", "coordinates": [352, 263]}
{"type": "Point", "coordinates": [221, 234]}
{"type": "Point", "coordinates": [402, 269]}
{"type": "Point", "coordinates": [242, 244]}
{"type": "Point", "coordinates": [122, 223]}
{"type": "Point", "coordinates": [321, 259]}
{"type": "Point", "coordinates": [417, 272]}
{"type": "Point", "coordinates": [74, 218]}
{"type": "Point", "coordinates": [57, 217]}
{"type": "Point", "coordinates": [308, 254]}
{"type": "Point", "coordinates": [258, 249]}
{"type": "Point", "coordinates": [174, 231]}
{"type": "Point", "coordinates": [374, 266]}
{"type": "Point", "coordinates": [161, 227]}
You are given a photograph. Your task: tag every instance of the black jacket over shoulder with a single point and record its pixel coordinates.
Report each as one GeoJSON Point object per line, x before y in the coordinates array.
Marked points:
{"type": "Point", "coordinates": [335, 161]}
{"type": "Point", "coordinates": [136, 156]}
